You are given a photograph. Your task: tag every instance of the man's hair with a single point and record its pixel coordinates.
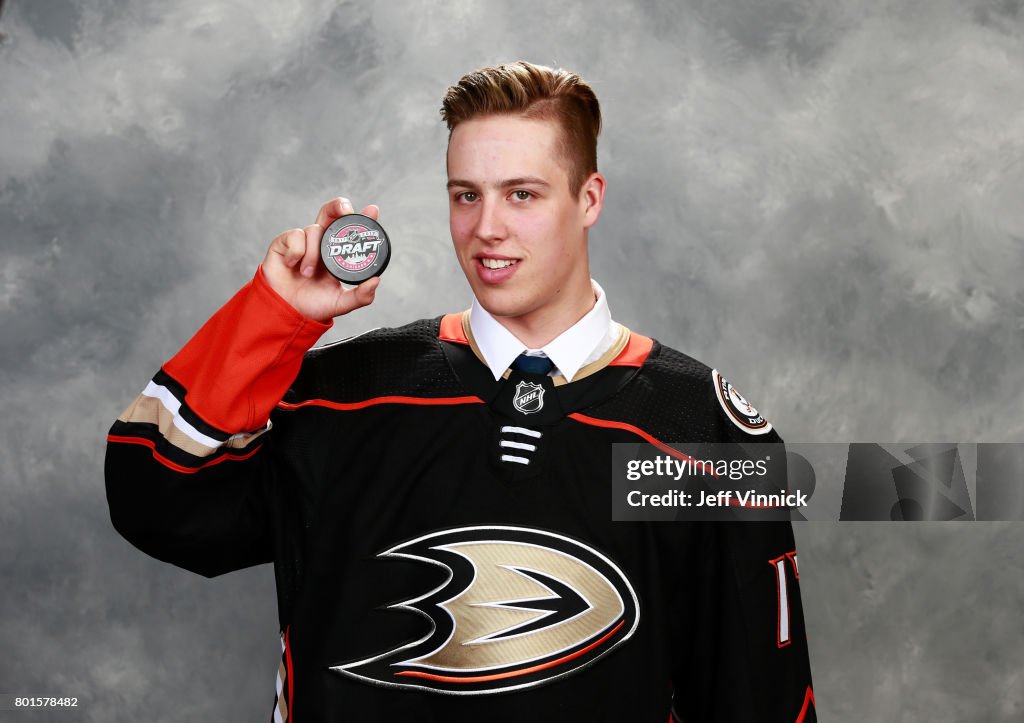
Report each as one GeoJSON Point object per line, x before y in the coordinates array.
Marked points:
{"type": "Point", "coordinates": [538, 93]}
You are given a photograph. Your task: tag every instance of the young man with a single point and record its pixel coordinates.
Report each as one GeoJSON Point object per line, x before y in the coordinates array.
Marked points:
{"type": "Point", "coordinates": [436, 498]}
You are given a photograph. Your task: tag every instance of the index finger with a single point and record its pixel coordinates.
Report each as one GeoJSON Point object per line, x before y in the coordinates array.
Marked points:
{"type": "Point", "coordinates": [333, 209]}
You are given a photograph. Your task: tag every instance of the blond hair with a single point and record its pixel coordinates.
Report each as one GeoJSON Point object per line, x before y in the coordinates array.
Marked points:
{"type": "Point", "coordinates": [538, 93]}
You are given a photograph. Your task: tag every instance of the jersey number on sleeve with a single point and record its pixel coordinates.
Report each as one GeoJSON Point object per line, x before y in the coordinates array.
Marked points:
{"type": "Point", "coordinates": [782, 589]}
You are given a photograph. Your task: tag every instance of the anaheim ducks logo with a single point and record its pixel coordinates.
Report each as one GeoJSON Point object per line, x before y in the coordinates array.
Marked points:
{"type": "Point", "coordinates": [739, 410]}
{"type": "Point", "coordinates": [520, 608]}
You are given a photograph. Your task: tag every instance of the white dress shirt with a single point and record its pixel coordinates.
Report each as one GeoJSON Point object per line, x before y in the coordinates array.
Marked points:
{"type": "Point", "coordinates": [582, 343]}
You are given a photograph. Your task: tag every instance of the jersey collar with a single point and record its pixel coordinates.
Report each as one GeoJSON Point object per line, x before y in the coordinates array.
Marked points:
{"type": "Point", "coordinates": [581, 343]}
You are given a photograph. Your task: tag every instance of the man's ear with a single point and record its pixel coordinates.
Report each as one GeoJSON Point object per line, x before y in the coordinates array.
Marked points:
{"type": "Point", "coordinates": [592, 198]}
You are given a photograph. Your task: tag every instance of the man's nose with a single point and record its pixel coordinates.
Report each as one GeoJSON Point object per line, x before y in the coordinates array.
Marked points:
{"type": "Point", "coordinates": [490, 224]}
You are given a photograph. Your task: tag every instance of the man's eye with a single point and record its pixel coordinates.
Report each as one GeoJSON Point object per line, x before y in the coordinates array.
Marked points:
{"type": "Point", "coordinates": [467, 196]}
{"type": "Point", "coordinates": [523, 195]}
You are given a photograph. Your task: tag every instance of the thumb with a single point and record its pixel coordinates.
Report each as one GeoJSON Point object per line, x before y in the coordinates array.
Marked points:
{"type": "Point", "coordinates": [366, 291]}
{"type": "Point", "coordinates": [360, 296]}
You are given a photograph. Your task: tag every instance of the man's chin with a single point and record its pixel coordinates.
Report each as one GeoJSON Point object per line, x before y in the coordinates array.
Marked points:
{"type": "Point", "coordinates": [503, 311]}
{"type": "Point", "coordinates": [501, 305]}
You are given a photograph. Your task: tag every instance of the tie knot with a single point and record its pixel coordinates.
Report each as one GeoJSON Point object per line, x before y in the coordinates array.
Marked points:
{"type": "Point", "coordinates": [532, 364]}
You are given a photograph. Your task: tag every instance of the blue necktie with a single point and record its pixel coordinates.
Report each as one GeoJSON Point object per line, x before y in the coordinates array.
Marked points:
{"type": "Point", "coordinates": [532, 364]}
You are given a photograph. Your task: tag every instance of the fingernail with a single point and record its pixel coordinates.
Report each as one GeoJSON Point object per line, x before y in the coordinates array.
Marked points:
{"type": "Point", "coordinates": [307, 271]}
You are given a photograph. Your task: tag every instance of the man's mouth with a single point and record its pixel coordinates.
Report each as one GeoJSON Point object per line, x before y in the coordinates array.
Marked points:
{"type": "Point", "coordinates": [498, 263]}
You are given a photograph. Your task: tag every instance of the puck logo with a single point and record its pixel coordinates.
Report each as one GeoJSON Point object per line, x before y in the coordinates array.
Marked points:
{"type": "Point", "coordinates": [529, 397]}
{"type": "Point", "coordinates": [354, 247]}
{"type": "Point", "coordinates": [738, 409]}
{"type": "Point", "coordinates": [520, 608]}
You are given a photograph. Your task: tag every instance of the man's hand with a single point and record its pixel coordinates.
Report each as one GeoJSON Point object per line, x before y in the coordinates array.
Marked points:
{"type": "Point", "coordinates": [292, 268]}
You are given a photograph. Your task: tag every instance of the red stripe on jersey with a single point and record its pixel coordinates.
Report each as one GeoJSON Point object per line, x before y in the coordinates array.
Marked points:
{"type": "Point", "coordinates": [808, 702]}
{"type": "Point", "coordinates": [451, 329]}
{"type": "Point", "coordinates": [347, 406]}
{"type": "Point", "coordinates": [174, 465]}
{"type": "Point", "coordinates": [625, 426]}
{"type": "Point", "coordinates": [513, 673]}
{"type": "Point", "coordinates": [638, 348]}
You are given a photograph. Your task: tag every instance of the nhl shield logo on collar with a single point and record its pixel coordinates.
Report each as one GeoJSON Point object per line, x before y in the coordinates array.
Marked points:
{"type": "Point", "coordinates": [529, 397]}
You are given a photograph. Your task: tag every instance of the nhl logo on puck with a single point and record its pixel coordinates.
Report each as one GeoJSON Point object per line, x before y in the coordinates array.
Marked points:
{"type": "Point", "coordinates": [355, 248]}
{"type": "Point", "coordinates": [739, 410]}
{"type": "Point", "coordinates": [529, 397]}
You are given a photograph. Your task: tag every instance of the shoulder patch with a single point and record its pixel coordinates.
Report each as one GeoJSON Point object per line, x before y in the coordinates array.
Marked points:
{"type": "Point", "coordinates": [738, 409]}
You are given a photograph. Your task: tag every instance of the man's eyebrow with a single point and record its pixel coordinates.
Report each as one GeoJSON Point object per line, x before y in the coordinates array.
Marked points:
{"type": "Point", "coordinates": [523, 181]}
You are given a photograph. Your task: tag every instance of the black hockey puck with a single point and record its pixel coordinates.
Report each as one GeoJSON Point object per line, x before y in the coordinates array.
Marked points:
{"type": "Point", "coordinates": [355, 248]}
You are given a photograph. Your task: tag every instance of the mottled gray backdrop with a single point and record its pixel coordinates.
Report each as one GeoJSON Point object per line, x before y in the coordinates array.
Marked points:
{"type": "Point", "coordinates": [823, 199]}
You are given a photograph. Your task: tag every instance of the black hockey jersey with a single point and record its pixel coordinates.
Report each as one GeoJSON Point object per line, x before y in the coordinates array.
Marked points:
{"type": "Point", "coordinates": [443, 543]}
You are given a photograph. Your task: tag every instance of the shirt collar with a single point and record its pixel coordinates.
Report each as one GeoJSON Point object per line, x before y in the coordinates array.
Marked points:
{"type": "Point", "coordinates": [568, 351]}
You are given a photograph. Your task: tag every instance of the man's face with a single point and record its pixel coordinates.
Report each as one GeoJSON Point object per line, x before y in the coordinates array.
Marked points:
{"type": "Point", "coordinates": [519, 234]}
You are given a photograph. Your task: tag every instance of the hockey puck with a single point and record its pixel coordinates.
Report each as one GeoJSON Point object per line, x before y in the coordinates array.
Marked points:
{"type": "Point", "coordinates": [355, 248]}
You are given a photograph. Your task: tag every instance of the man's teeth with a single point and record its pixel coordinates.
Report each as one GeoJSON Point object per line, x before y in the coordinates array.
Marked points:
{"type": "Point", "coordinates": [498, 263]}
